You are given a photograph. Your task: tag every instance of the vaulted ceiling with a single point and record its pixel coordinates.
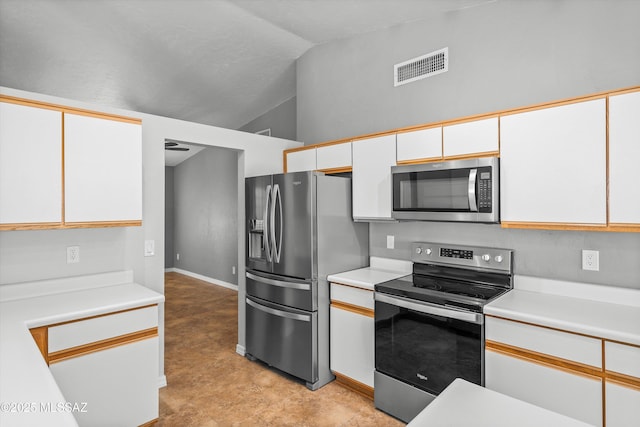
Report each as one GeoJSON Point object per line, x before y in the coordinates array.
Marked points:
{"type": "Point", "coordinates": [217, 62]}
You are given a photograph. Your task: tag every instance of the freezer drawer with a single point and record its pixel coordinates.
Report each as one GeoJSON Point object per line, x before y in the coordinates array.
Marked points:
{"type": "Point", "coordinates": [301, 294]}
{"type": "Point", "coordinates": [283, 338]}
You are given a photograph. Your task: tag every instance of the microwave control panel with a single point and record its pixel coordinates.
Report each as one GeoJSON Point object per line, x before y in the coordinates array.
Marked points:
{"type": "Point", "coordinates": [484, 190]}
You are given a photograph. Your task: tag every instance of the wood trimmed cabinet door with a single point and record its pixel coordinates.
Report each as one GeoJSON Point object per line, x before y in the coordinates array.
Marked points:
{"type": "Point", "coordinates": [30, 166]}
{"type": "Point", "coordinates": [352, 335]}
{"type": "Point", "coordinates": [552, 369]}
{"type": "Point", "coordinates": [624, 152]}
{"type": "Point", "coordinates": [371, 177]}
{"type": "Point", "coordinates": [471, 139]}
{"type": "Point", "coordinates": [622, 383]}
{"type": "Point", "coordinates": [108, 365]}
{"type": "Point", "coordinates": [102, 170]}
{"type": "Point", "coordinates": [419, 146]}
{"type": "Point", "coordinates": [301, 160]}
{"type": "Point", "coordinates": [553, 167]}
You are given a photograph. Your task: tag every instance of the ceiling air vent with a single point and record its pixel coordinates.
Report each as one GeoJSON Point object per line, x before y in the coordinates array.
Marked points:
{"type": "Point", "coordinates": [423, 66]}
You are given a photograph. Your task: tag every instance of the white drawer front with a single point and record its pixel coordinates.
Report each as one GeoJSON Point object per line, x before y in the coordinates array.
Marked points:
{"type": "Point", "coordinates": [542, 340]}
{"type": "Point", "coordinates": [621, 358]}
{"type": "Point", "coordinates": [351, 295]}
{"type": "Point", "coordinates": [73, 334]}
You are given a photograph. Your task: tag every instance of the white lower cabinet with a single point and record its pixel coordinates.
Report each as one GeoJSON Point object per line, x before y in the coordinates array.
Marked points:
{"type": "Point", "coordinates": [587, 378]}
{"type": "Point", "coordinates": [576, 396]}
{"type": "Point", "coordinates": [352, 336]}
{"type": "Point", "coordinates": [623, 405]}
{"type": "Point", "coordinates": [112, 387]}
{"type": "Point", "coordinates": [622, 390]}
{"type": "Point", "coordinates": [107, 366]}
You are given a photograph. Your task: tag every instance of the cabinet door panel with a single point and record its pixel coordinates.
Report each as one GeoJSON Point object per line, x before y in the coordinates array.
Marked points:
{"type": "Point", "coordinates": [371, 178]}
{"type": "Point", "coordinates": [30, 165]}
{"type": "Point", "coordinates": [421, 144]}
{"type": "Point", "coordinates": [352, 345]}
{"type": "Point", "coordinates": [564, 345]}
{"type": "Point", "coordinates": [623, 405]}
{"type": "Point", "coordinates": [553, 165]}
{"type": "Point", "coordinates": [479, 136]}
{"type": "Point", "coordinates": [99, 328]}
{"type": "Point", "coordinates": [624, 152]}
{"type": "Point", "coordinates": [568, 394]}
{"type": "Point", "coordinates": [303, 160]}
{"type": "Point", "coordinates": [333, 156]}
{"type": "Point", "coordinates": [103, 170]}
{"type": "Point", "coordinates": [119, 385]}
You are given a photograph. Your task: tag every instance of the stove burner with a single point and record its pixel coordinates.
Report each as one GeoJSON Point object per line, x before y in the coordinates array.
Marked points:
{"type": "Point", "coordinates": [466, 294]}
{"type": "Point", "coordinates": [433, 286]}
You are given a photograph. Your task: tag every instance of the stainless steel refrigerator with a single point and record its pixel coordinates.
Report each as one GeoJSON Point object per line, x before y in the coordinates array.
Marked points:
{"type": "Point", "coordinates": [299, 230]}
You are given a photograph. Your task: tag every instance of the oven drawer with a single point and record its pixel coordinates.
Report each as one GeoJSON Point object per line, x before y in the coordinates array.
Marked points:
{"type": "Point", "coordinates": [563, 345]}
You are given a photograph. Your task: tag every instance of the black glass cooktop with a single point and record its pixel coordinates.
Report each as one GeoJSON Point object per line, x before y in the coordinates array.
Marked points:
{"type": "Point", "coordinates": [465, 289]}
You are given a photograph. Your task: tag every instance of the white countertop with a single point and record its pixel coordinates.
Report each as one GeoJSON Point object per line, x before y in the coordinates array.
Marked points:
{"type": "Point", "coordinates": [464, 404]}
{"type": "Point", "coordinates": [26, 383]}
{"type": "Point", "coordinates": [600, 311]}
{"type": "Point", "coordinates": [379, 270]}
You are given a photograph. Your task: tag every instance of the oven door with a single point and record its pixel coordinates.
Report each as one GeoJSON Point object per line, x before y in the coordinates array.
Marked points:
{"type": "Point", "coordinates": [425, 345]}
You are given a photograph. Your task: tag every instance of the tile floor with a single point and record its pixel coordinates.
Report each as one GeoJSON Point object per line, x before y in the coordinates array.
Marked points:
{"type": "Point", "coordinates": [209, 384]}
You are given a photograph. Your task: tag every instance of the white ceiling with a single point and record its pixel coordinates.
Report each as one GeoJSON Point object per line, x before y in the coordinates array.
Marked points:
{"type": "Point", "coordinates": [217, 62]}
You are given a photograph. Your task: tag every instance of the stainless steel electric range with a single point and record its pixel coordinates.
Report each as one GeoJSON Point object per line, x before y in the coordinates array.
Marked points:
{"type": "Point", "coordinates": [429, 326]}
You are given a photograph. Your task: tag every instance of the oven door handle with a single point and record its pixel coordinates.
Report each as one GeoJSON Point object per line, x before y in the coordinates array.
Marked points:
{"type": "Point", "coordinates": [426, 308]}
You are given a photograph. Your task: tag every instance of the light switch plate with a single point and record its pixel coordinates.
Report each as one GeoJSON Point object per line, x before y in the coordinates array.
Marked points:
{"type": "Point", "coordinates": [391, 242]}
{"type": "Point", "coordinates": [149, 247]}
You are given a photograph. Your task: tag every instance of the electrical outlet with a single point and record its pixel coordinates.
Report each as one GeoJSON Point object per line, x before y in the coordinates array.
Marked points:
{"type": "Point", "coordinates": [590, 260]}
{"type": "Point", "coordinates": [233, 270]}
{"type": "Point", "coordinates": [73, 254]}
{"type": "Point", "coordinates": [177, 257]}
{"type": "Point", "coordinates": [391, 240]}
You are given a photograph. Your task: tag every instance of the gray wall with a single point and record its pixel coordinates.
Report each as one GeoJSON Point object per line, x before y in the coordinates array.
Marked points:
{"type": "Point", "coordinates": [205, 214]}
{"type": "Point", "coordinates": [503, 55]}
{"type": "Point", "coordinates": [168, 217]}
{"type": "Point", "coordinates": [281, 120]}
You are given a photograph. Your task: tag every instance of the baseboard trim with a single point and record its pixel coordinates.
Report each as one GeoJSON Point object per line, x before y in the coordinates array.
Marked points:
{"type": "Point", "coordinates": [241, 350]}
{"type": "Point", "coordinates": [203, 278]}
{"type": "Point", "coordinates": [162, 381]}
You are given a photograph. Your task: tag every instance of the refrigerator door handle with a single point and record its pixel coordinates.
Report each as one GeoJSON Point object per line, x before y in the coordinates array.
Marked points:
{"type": "Point", "coordinates": [277, 200]}
{"type": "Point", "coordinates": [279, 313]}
{"type": "Point", "coordinates": [281, 283]}
{"type": "Point", "coordinates": [265, 230]}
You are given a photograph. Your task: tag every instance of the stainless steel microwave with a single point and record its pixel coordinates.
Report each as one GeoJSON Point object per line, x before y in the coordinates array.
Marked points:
{"type": "Point", "coordinates": [455, 190]}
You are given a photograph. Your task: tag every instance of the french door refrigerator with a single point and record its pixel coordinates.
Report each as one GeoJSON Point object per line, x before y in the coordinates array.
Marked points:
{"type": "Point", "coordinates": [299, 230]}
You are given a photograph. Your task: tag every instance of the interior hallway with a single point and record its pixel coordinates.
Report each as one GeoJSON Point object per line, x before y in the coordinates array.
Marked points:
{"type": "Point", "coordinates": [209, 384]}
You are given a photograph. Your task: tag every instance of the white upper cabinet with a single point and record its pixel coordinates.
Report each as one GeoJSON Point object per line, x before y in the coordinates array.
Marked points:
{"type": "Point", "coordinates": [303, 160]}
{"type": "Point", "coordinates": [371, 177]}
{"type": "Point", "coordinates": [469, 138]}
{"type": "Point", "coordinates": [30, 165]}
{"type": "Point", "coordinates": [102, 170]}
{"type": "Point", "coordinates": [336, 156]}
{"type": "Point", "coordinates": [420, 145]}
{"type": "Point", "coordinates": [553, 165]}
{"type": "Point", "coordinates": [624, 152]}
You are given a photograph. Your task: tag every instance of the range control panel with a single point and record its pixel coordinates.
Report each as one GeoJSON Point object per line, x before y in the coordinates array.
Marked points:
{"type": "Point", "coordinates": [462, 256]}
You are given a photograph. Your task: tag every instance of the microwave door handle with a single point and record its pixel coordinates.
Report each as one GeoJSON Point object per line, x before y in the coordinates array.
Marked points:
{"type": "Point", "coordinates": [473, 177]}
